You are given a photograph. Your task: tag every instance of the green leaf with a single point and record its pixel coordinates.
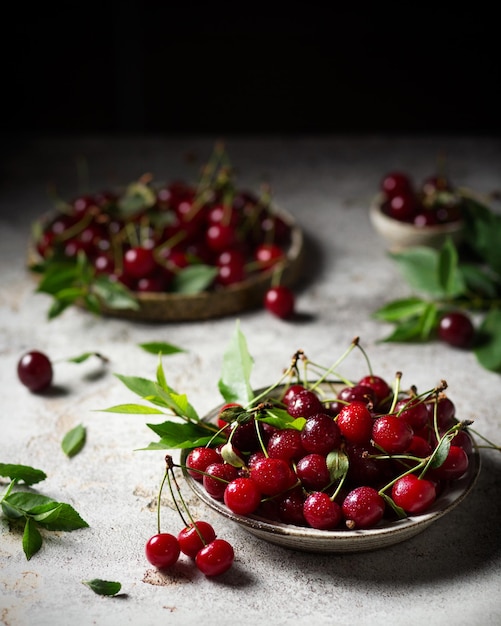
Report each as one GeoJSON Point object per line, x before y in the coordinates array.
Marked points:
{"type": "Point", "coordinates": [280, 418]}
{"type": "Point", "coordinates": [27, 474]}
{"type": "Point", "coordinates": [181, 435]}
{"type": "Point", "coordinates": [479, 281]}
{"type": "Point", "coordinates": [440, 453]}
{"type": "Point", "coordinates": [114, 295]}
{"type": "Point", "coordinates": [488, 352]}
{"type": "Point", "coordinates": [194, 278]}
{"type": "Point", "coordinates": [179, 404]}
{"type": "Point", "coordinates": [62, 516]}
{"type": "Point", "coordinates": [406, 331]}
{"type": "Point", "coordinates": [449, 277]}
{"type": "Point", "coordinates": [234, 383]}
{"type": "Point", "coordinates": [338, 464]}
{"type": "Point", "coordinates": [85, 356]}
{"type": "Point", "coordinates": [26, 501]}
{"type": "Point", "coordinates": [401, 309]}
{"type": "Point", "coordinates": [103, 587]}
{"type": "Point", "coordinates": [56, 308]}
{"type": "Point", "coordinates": [419, 266]}
{"type": "Point", "coordinates": [74, 440]}
{"type": "Point", "coordinates": [160, 347]}
{"type": "Point", "coordinates": [32, 539]}
{"type": "Point", "coordinates": [133, 409]}
{"type": "Point", "coordinates": [54, 515]}
{"type": "Point", "coordinates": [140, 386]}
{"type": "Point", "coordinates": [57, 277]}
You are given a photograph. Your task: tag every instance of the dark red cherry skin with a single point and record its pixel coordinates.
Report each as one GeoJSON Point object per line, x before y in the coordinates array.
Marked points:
{"type": "Point", "coordinates": [305, 404]}
{"type": "Point", "coordinates": [413, 412]}
{"type": "Point", "coordinates": [34, 370]}
{"type": "Point", "coordinates": [456, 329]}
{"type": "Point", "coordinates": [320, 434]}
{"type": "Point", "coordinates": [286, 444]}
{"type": "Point", "coordinates": [355, 422]}
{"type": "Point", "coordinates": [272, 475]}
{"type": "Point", "coordinates": [242, 495]}
{"type": "Point", "coordinates": [217, 477]}
{"type": "Point", "coordinates": [280, 301]}
{"type": "Point", "coordinates": [139, 262]}
{"type": "Point", "coordinates": [391, 434]}
{"type": "Point", "coordinates": [380, 387]}
{"type": "Point", "coordinates": [199, 459]}
{"type": "Point", "coordinates": [395, 183]}
{"type": "Point", "coordinates": [321, 512]}
{"type": "Point", "coordinates": [313, 472]}
{"type": "Point", "coordinates": [414, 495]}
{"type": "Point", "coordinates": [363, 507]}
{"type": "Point", "coordinates": [162, 550]}
{"type": "Point", "coordinates": [194, 537]}
{"type": "Point", "coordinates": [292, 390]}
{"type": "Point", "coordinates": [215, 558]}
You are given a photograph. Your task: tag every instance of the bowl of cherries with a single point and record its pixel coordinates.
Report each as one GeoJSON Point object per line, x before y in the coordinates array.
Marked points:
{"type": "Point", "coordinates": [319, 464]}
{"type": "Point", "coordinates": [169, 251]}
{"type": "Point", "coordinates": [405, 214]}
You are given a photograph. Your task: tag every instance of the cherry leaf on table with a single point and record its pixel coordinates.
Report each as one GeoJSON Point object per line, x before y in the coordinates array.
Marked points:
{"type": "Point", "coordinates": [103, 587]}
{"type": "Point", "coordinates": [32, 539]}
{"type": "Point", "coordinates": [29, 475]}
{"type": "Point", "coordinates": [74, 440]}
{"type": "Point", "coordinates": [34, 510]}
{"type": "Point", "coordinates": [160, 347]}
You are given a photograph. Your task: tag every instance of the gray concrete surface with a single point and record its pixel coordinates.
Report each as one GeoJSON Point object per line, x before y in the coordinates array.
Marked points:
{"type": "Point", "coordinates": [449, 574]}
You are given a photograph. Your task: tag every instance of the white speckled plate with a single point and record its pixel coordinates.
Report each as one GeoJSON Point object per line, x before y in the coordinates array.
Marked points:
{"type": "Point", "coordinates": [343, 541]}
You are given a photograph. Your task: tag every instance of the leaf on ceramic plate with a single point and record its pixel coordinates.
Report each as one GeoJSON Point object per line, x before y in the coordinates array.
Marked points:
{"type": "Point", "coordinates": [103, 587]}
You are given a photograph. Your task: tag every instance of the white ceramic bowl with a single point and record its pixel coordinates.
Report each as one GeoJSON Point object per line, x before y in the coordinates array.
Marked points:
{"type": "Point", "coordinates": [342, 541]}
{"type": "Point", "coordinates": [401, 235]}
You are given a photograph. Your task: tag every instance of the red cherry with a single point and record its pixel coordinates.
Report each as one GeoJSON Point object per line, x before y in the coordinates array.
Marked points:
{"type": "Point", "coordinates": [139, 262]}
{"type": "Point", "coordinates": [456, 329]}
{"type": "Point", "coordinates": [395, 183]}
{"type": "Point", "coordinates": [34, 370]}
{"type": "Point", "coordinates": [162, 550]}
{"type": "Point", "coordinates": [215, 558]}
{"type": "Point", "coordinates": [280, 301]}
{"type": "Point", "coordinates": [242, 495]}
{"type": "Point", "coordinates": [194, 537]}
{"type": "Point", "coordinates": [355, 422]}
{"type": "Point", "coordinates": [268, 254]}
{"type": "Point", "coordinates": [414, 495]}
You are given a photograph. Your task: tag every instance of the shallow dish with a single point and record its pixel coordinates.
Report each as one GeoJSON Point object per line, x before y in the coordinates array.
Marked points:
{"type": "Point", "coordinates": [240, 297]}
{"type": "Point", "coordinates": [400, 235]}
{"type": "Point", "coordinates": [342, 541]}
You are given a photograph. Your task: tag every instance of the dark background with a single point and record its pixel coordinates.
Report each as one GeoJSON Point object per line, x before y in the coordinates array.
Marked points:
{"type": "Point", "coordinates": [249, 68]}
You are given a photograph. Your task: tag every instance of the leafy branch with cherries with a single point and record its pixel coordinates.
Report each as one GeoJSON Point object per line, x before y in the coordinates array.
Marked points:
{"type": "Point", "coordinates": [452, 286]}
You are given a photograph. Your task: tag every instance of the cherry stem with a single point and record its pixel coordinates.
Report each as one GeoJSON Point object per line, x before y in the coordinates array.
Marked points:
{"type": "Point", "coordinates": [159, 499]}
{"type": "Point", "coordinates": [331, 369]}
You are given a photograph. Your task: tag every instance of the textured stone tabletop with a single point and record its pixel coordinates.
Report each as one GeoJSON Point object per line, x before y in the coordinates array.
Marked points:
{"type": "Point", "coordinates": [449, 574]}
